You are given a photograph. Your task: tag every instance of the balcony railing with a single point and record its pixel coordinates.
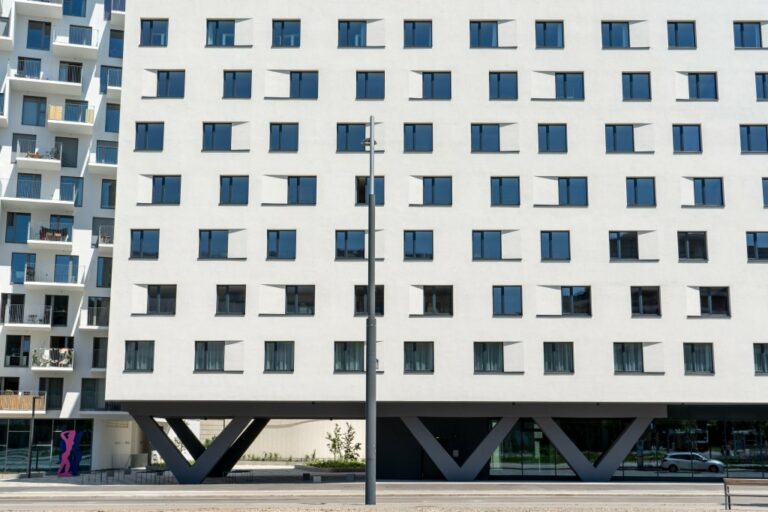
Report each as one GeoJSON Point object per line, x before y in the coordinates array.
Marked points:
{"type": "Point", "coordinates": [5, 26]}
{"type": "Point", "coordinates": [71, 113]}
{"type": "Point", "coordinates": [29, 68]}
{"type": "Point", "coordinates": [72, 73]}
{"type": "Point", "coordinates": [27, 148]}
{"type": "Point", "coordinates": [106, 155]}
{"type": "Point", "coordinates": [26, 315]}
{"type": "Point", "coordinates": [111, 6]}
{"type": "Point", "coordinates": [63, 358]}
{"type": "Point", "coordinates": [98, 316]}
{"type": "Point", "coordinates": [80, 36]}
{"type": "Point", "coordinates": [28, 189]}
{"type": "Point", "coordinates": [52, 233]}
{"type": "Point", "coordinates": [62, 273]}
{"type": "Point", "coordinates": [16, 360]}
{"type": "Point", "coordinates": [21, 401]}
{"type": "Point", "coordinates": [105, 236]}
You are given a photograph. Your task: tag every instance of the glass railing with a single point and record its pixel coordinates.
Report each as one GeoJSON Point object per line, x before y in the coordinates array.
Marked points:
{"type": "Point", "coordinates": [53, 358]}
{"type": "Point", "coordinates": [16, 360]}
{"type": "Point", "coordinates": [69, 192]}
{"type": "Point", "coordinates": [64, 273]}
{"type": "Point", "coordinates": [72, 73]}
{"type": "Point", "coordinates": [28, 189]}
{"type": "Point", "coordinates": [106, 155]}
{"type": "Point", "coordinates": [27, 148]}
{"type": "Point", "coordinates": [98, 316]}
{"type": "Point", "coordinates": [50, 234]}
{"type": "Point", "coordinates": [5, 26]}
{"type": "Point", "coordinates": [29, 68]}
{"type": "Point", "coordinates": [26, 315]}
{"type": "Point", "coordinates": [82, 36]}
{"type": "Point", "coordinates": [118, 5]}
{"type": "Point", "coordinates": [71, 112]}
{"type": "Point", "coordinates": [106, 235]}
{"type": "Point", "coordinates": [114, 77]}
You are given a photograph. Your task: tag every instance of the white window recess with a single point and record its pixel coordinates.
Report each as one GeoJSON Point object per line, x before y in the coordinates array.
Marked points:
{"type": "Point", "coordinates": [693, 301]}
{"type": "Point", "coordinates": [416, 300]}
{"type": "Point", "coordinates": [233, 356]}
{"type": "Point", "coordinates": [271, 299]}
{"type": "Point", "coordinates": [543, 85]}
{"type": "Point", "coordinates": [653, 357]}
{"type": "Point", "coordinates": [144, 189]}
{"type": "Point", "coordinates": [687, 197]}
{"type": "Point", "coordinates": [682, 91]}
{"type": "Point", "coordinates": [509, 137]}
{"type": "Point", "coordinates": [507, 33]}
{"type": "Point", "coordinates": [244, 32]}
{"type": "Point", "coordinates": [274, 190]}
{"type": "Point", "coordinates": [149, 83]}
{"type": "Point", "coordinates": [513, 357]}
{"type": "Point", "coordinates": [648, 245]}
{"type": "Point", "coordinates": [241, 136]}
{"type": "Point", "coordinates": [643, 135]}
{"type": "Point", "coordinates": [381, 244]}
{"type": "Point", "coordinates": [546, 191]}
{"type": "Point", "coordinates": [237, 244]}
{"type": "Point", "coordinates": [139, 299]}
{"type": "Point", "coordinates": [277, 84]}
{"type": "Point", "coordinates": [548, 301]}
{"type": "Point", "coordinates": [375, 35]}
{"type": "Point", "coordinates": [416, 190]}
{"type": "Point", "coordinates": [415, 85]}
{"type": "Point", "coordinates": [380, 135]}
{"type": "Point", "coordinates": [763, 30]}
{"type": "Point", "coordinates": [639, 35]}
{"type": "Point", "coordinates": [511, 245]}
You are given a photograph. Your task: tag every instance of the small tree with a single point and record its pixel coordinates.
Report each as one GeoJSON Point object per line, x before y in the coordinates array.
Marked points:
{"type": "Point", "coordinates": [334, 441]}
{"type": "Point", "coordinates": [351, 449]}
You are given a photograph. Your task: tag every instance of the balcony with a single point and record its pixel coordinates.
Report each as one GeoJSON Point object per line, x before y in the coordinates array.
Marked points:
{"type": "Point", "coordinates": [6, 33]}
{"type": "Point", "coordinates": [16, 402]}
{"type": "Point", "coordinates": [104, 240]}
{"type": "Point", "coordinates": [53, 359]}
{"type": "Point", "coordinates": [30, 195]}
{"type": "Point", "coordinates": [66, 278]}
{"type": "Point", "coordinates": [71, 119]}
{"type": "Point", "coordinates": [31, 158]}
{"type": "Point", "coordinates": [81, 43]}
{"type": "Point", "coordinates": [114, 12]}
{"type": "Point", "coordinates": [96, 319]}
{"type": "Point", "coordinates": [29, 77]}
{"type": "Point", "coordinates": [112, 83]}
{"type": "Point", "coordinates": [3, 110]}
{"type": "Point", "coordinates": [19, 317]}
{"type": "Point", "coordinates": [51, 9]}
{"type": "Point", "coordinates": [54, 238]}
{"type": "Point", "coordinates": [104, 162]}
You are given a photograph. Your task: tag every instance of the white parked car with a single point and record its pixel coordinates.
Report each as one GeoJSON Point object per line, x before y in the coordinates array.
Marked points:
{"type": "Point", "coordinates": [691, 461]}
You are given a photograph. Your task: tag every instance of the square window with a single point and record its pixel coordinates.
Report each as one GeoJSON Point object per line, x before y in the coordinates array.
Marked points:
{"type": "Point", "coordinates": [417, 34]}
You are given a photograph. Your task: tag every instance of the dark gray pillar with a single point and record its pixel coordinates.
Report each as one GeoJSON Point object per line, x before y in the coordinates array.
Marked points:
{"type": "Point", "coordinates": [187, 438]}
{"type": "Point", "coordinates": [233, 454]}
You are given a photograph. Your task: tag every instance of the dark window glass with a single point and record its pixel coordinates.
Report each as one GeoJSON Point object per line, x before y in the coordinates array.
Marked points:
{"type": "Point", "coordinates": [505, 191]}
{"type": "Point", "coordinates": [349, 357]}
{"type": "Point", "coordinates": [38, 35]}
{"type": "Point", "coordinates": [108, 191]}
{"type": "Point", "coordinates": [698, 358]}
{"type": "Point", "coordinates": [761, 358]}
{"type": "Point", "coordinates": [17, 228]}
{"type": "Point", "coordinates": [438, 300]}
{"type": "Point", "coordinates": [29, 68]}
{"type": "Point", "coordinates": [747, 34]}
{"type": "Point", "coordinates": [436, 86]}
{"type": "Point", "coordinates": [576, 300]}
{"type": "Point", "coordinates": [553, 138]}
{"type": "Point", "coordinates": [170, 84]}
{"type": "Point", "coordinates": [278, 356]}
{"type": "Point", "coordinates": [161, 299]}
{"type": "Point", "coordinates": [370, 85]}
{"type": "Point", "coordinates": [145, 243]}
{"type": "Point", "coordinates": [361, 300]}
{"type": "Point", "coordinates": [757, 246]}
{"type": "Point", "coordinates": [681, 34]}
{"type": "Point", "coordinates": [303, 85]}
{"type": "Point", "coordinates": [53, 389]}
{"type": "Point", "coordinates": [66, 269]}
{"type": "Point", "coordinates": [615, 34]}
{"type": "Point", "coordinates": [139, 356]}
{"type": "Point", "coordinates": [154, 33]}
{"type": "Point", "coordinates": [619, 138]}
{"type": "Point", "coordinates": [112, 118]}
{"type": "Point", "coordinates": [489, 357]}
{"type": "Point", "coordinates": [284, 137]}
{"type": "Point", "coordinates": [116, 43]}
{"type": "Point", "coordinates": [555, 245]}
{"type": "Point", "coordinates": [417, 138]}
{"type": "Point", "coordinates": [761, 83]}
{"type": "Point", "coordinates": [71, 189]}
{"type": "Point", "coordinates": [569, 86]}
{"type": "Point", "coordinates": [230, 299]}
{"type": "Point", "coordinates": [486, 138]}
{"type": "Point", "coordinates": [104, 272]}
{"type": "Point", "coordinates": [483, 34]}
{"type": "Point", "coordinates": [59, 305]}
{"type": "Point", "coordinates": [702, 86]}
{"type": "Point", "coordinates": [233, 190]}
{"type": "Point", "coordinates": [641, 192]}
{"type": "Point", "coordinates": [106, 152]}
{"type": "Point", "coordinates": [33, 111]}
{"type": "Point", "coordinates": [754, 139]}
{"type": "Point", "coordinates": [636, 86]}
{"type": "Point", "coordinates": [22, 265]}
{"type": "Point", "coordinates": [109, 76]}
{"type": "Point", "coordinates": [687, 138]}
{"type": "Point", "coordinates": [708, 191]}
{"type": "Point", "coordinates": [221, 33]}
{"type": "Point", "coordinates": [503, 85]}
{"type": "Point", "coordinates": [214, 244]}
{"type": "Point", "coordinates": [286, 33]}
{"type": "Point", "coordinates": [28, 185]}
{"type": "Point", "coordinates": [362, 192]}
{"type": "Point", "coordinates": [628, 357]}
{"type": "Point", "coordinates": [765, 192]}
{"type": "Point", "coordinates": [209, 356]}
{"type": "Point", "coordinates": [714, 301]}
{"type": "Point", "coordinates": [237, 84]}
{"type": "Point", "coordinates": [217, 136]}
{"type": "Point", "coordinates": [418, 245]}
{"type": "Point", "coordinates": [74, 8]}
{"type": "Point", "coordinates": [549, 34]}
{"type": "Point", "coordinates": [149, 136]}
{"type": "Point", "coordinates": [507, 301]}
{"type": "Point", "coordinates": [350, 245]}
{"type": "Point", "coordinates": [418, 357]}
{"type": "Point", "coordinates": [24, 144]}
{"type": "Point", "coordinates": [486, 245]}
{"type": "Point", "coordinates": [352, 34]}
{"type": "Point", "coordinates": [166, 189]}
{"type": "Point", "coordinates": [646, 300]}
{"type": "Point", "coordinates": [350, 137]}
{"type": "Point", "coordinates": [558, 357]}
{"type": "Point", "coordinates": [572, 191]}
{"type": "Point", "coordinates": [300, 300]}
{"type": "Point", "coordinates": [623, 245]}
{"type": "Point", "coordinates": [81, 35]}
{"type": "Point", "coordinates": [302, 190]}
{"type": "Point", "coordinates": [692, 245]}
{"type": "Point", "coordinates": [69, 151]}
{"type": "Point", "coordinates": [417, 34]}
{"type": "Point", "coordinates": [281, 244]}
{"type": "Point", "coordinates": [437, 191]}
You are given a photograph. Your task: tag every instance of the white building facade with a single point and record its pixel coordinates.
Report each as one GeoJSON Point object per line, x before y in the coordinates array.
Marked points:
{"type": "Point", "coordinates": [571, 230]}
{"type": "Point", "coordinates": [58, 169]}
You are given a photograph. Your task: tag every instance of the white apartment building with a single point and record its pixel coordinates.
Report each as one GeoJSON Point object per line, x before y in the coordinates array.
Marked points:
{"type": "Point", "coordinates": [61, 88]}
{"type": "Point", "coordinates": [571, 230]}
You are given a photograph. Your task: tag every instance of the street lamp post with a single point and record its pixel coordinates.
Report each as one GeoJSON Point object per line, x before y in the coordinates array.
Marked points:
{"type": "Point", "coordinates": [370, 334]}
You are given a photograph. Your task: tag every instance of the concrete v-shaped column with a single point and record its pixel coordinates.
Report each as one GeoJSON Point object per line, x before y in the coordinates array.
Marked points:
{"type": "Point", "coordinates": [233, 454]}
{"type": "Point", "coordinates": [610, 461]}
{"type": "Point", "coordinates": [205, 463]}
{"type": "Point", "coordinates": [445, 463]}
{"type": "Point", "coordinates": [187, 438]}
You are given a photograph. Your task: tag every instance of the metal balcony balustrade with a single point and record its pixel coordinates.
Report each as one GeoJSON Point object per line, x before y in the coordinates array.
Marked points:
{"type": "Point", "coordinates": [80, 36]}
{"type": "Point", "coordinates": [105, 236]}
{"type": "Point", "coordinates": [54, 358]}
{"type": "Point", "coordinates": [27, 189]}
{"type": "Point", "coordinates": [72, 113]}
{"type": "Point", "coordinates": [20, 314]}
{"type": "Point", "coordinates": [32, 68]}
{"type": "Point", "coordinates": [106, 155]}
{"type": "Point", "coordinates": [62, 273]}
{"type": "Point", "coordinates": [27, 148]}
{"type": "Point", "coordinates": [52, 233]}
{"type": "Point", "coordinates": [114, 77]}
{"type": "Point", "coordinates": [98, 316]}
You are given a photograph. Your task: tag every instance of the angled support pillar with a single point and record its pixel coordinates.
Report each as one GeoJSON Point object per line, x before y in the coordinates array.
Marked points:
{"type": "Point", "coordinates": [181, 469]}
{"type": "Point", "coordinates": [611, 459]}
{"type": "Point", "coordinates": [233, 454]}
{"type": "Point", "coordinates": [187, 438]}
{"type": "Point", "coordinates": [445, 463]}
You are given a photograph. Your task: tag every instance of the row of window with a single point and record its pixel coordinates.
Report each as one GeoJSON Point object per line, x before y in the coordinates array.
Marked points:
{"type": "Point", "coordinates": [437, 85]}
{"type": "Point", "coordinates": [64, 149]}
{"type": "Point", "coordinates": [438, 191]}
{"type": "Point", "coordinates": [482, 34]}
{"type": "Point", "coordinates": [485, 138]}
{"type": "Point", "coordinates": [39, 37]}
{"type": "Point", "coordinates": [299, 300]}
{"type": "Point", "coordinates": [55, 309]}
{"type": "Point", "coordinates": [34, 113]}
{"type": "Point", "coordinates": [487, 245]}
{"type": "Point", "coordinates": [419, 357]}
{"type": "Point", "coordinates": [29, 186]}
{"type": "Point", "coordinates": [71, 72]}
